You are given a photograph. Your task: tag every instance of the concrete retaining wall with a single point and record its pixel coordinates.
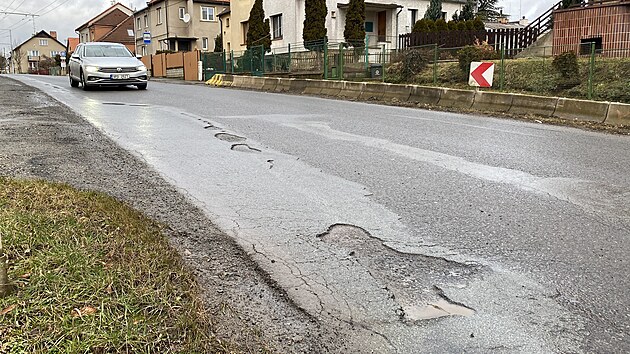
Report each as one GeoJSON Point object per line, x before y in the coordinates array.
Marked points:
{"type": "Point", "coordinates": [618, 114]}
{"type": "Point", "coordinates": [591, 111]}
{"type": "Point", "coordinates": [564, 108]}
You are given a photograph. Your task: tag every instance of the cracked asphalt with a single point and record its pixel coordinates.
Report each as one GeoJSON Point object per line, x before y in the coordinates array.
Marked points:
{"type": "Point", "coordinates": [372, 217]}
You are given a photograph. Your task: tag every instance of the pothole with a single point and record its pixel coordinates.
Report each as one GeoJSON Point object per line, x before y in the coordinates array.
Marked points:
{"type": "Point", "coordinates": [437, 309]}
{"type": "Point", "coordinates": [244, 148]}
{"type": "Point", "coordinates": [409, 278]}
{"type": "Point", "coordinates": [229, 137]}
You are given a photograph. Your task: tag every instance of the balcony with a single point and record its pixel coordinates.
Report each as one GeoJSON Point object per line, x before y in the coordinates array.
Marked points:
{"type": "Point", "coordinates": [33, 58]}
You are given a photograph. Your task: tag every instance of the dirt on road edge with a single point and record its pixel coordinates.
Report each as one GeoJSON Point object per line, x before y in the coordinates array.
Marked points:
{"type": "Point", "coordinates": [42, 138]}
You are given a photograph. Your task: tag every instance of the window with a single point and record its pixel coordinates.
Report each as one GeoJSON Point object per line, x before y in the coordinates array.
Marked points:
{"type": "Point", "coordinates": [369, 27]}
{"type": "Point", "coordinates": [159, 15]}
{"type": "Point", "coordinates": [54, 53]}
{"type": "Point", "coordinates": [413, 16]}
{"type": "Point", "coordinates": [245, 28]}
{"type": "Point", "coordinates": [138, 23]}
{"type": "Point", "coordinates": [204, 43]}
{"type": "Point", "coordinates": [444, 15]}
{"type": "Point", "coordinates": [207, 13]}
{"type": "Point", "coordinates": [182, 12]}
{"type": "Point", "coordinates": [146, 21]}
{"type": "Point", "coordinates": [586, 45]}
{"type": "Point", "coordinates": [276, 25]}
{"type": "Point", "coordinates": [33, 53]}
{"type": "Point", "coordinates": [43, 42]}
{"type": "Point", "coordinates": [144, 50]}
{"type": "Point", "coordinates": [227, 22]}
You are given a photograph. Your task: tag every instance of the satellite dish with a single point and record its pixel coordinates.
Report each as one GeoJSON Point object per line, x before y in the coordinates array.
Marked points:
{"type": "Point", "coordinates": [186, 18]}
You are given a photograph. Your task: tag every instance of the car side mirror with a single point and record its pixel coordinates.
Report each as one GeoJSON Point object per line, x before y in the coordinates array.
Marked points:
{"type": "Point", "coordinates": [138, 56]}
{"type": "Point", "coordinates": [74, 56]}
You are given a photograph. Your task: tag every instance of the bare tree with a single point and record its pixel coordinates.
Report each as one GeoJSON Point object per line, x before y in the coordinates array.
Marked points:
{"type": "Point", "coordinates": [17, 57]}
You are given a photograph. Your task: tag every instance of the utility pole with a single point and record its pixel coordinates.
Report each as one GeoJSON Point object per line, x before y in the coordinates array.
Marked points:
{"type": "Point", "coordinates": [22, 14]}
{"type": "Point", "coordinates": [10, 46]}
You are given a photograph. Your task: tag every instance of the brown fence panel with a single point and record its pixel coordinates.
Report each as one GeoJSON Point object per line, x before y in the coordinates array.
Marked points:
{"type": "Point", "coordinates": [174, 60]}
{"type": "Point", "coordinates": [147, 61]}
{"type": "Point", "coordinates": [159, 65]}
{"type": "Point", "coordinates": [191, 69]}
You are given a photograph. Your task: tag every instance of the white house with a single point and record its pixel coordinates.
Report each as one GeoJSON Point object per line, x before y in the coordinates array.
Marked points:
{"type": "Point", "coordinates": [385, 19]}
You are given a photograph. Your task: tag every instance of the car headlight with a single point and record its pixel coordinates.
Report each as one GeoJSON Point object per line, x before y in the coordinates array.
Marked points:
{"type": "Point", "coordinates": [141, 68]}
{"type": "Point", "coordinates": [91, 69]}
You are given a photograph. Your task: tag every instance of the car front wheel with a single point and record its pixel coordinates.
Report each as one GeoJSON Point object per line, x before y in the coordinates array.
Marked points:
{"type": "Point", "coordinates": [73, 82]}
{"type": "Point", "coordinates": [85, 86]}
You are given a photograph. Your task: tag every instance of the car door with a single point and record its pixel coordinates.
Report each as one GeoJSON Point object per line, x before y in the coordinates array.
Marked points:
{"type": "Point", "coordinates": [75, 62]}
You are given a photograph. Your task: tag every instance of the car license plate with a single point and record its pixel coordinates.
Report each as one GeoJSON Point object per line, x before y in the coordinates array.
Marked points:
{"type": "Point", "coordinates": [120, 76]}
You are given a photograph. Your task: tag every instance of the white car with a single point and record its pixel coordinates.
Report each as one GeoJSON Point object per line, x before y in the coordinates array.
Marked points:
{"type": "Point", "coordinates": [106, 64]}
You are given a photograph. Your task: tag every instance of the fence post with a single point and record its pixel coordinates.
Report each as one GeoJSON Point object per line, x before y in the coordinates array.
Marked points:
{"type": "Point", "coordinates": [502, 77]}
{"type": "Point", "coordinates": [224, 62]}
{"type": "Point", "coordinates": [367, 52]}
{"type": "Point", "coordinates": [326, 58]}
{"type": "Point", "coordinates": [383, 64]}
{"type": "Point", "coordinates": [232, 61]}
{"type": "Point", "coordinates": [262, 59]}
{"type": "Point", "coordinates": [289, 57]}
{"type": "Point", "coordinates": [341, 61]}
{"type": "Point", "coordinates": [435, 63]}
{"type": "Point", "coordinates": [591, 72]}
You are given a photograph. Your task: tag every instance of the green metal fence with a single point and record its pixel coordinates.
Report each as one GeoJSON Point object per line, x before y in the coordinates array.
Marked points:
{"type": "Point", "coordinates": [595, 73]}
{"type": "Point", "coordinates": [598, 73]}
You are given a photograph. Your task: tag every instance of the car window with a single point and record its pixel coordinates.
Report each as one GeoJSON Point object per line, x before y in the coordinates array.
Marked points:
{"type": "Point", "coordinates": [106, 51]}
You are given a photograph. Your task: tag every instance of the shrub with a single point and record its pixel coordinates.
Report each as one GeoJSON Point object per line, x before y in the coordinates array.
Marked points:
{"type": "Point", "coordinates": [470, 25]}
{"type": "Point", "coordinates": [420, 26]}
{"type": "Point", "coordinates": [431, 25]}
{"type": "Point", "coordinates": [441, 26]}
{"type": "Point", "coordinates": [409, 63]}
{"type": "Point", "coordinates": [478, 24]}
{"type": "Point", "coordinates": [566, 65]}
{"type": "Point", "coordinates": [477, 52]}
{"type": "Point", "coordinates": [452, 25]}
{"type": "Point", "coordinates": [461, 26]}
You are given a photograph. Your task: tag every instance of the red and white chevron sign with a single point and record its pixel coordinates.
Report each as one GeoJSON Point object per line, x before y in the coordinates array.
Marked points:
{"type": "Point", "coordinates": [481, 74]}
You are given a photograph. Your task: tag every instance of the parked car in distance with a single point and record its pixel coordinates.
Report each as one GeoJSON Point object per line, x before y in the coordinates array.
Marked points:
{"type": "Point", "coordinates": [106, 64]}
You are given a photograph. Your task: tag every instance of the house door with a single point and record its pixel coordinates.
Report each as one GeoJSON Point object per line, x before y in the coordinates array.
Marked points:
{"type": "Point", "coordinates": [382, 26]}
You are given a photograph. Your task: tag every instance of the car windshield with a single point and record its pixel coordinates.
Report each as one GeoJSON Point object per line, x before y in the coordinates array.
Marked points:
{"type": "Point", "coordinates": [106, 51]}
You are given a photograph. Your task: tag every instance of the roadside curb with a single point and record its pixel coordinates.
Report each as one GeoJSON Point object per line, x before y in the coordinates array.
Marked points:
{"type": "Point", "coordinates": [553, 107]}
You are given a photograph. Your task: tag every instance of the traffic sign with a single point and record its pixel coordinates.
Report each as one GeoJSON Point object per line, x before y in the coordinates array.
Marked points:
{"type": "Point", "coordinates": [146, 36]}
{"type": "Point", "coordinates": [481, 74]}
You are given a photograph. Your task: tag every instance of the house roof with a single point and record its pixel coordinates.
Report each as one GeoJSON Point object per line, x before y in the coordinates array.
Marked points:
{"type": "Point", "coordinates": [40, 34]}
{"type": "Point", "coordinates": [110, 9]}
{"type": "Point", "coordinates": [224, 12]}
{"type": "Point", "coordinates": [72, 44]}
{"type": "Point", "coordinates": [120, 34]}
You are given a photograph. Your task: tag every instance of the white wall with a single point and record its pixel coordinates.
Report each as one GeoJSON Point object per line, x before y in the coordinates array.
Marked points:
{"type": "Point", "coordinates": [293, 19]}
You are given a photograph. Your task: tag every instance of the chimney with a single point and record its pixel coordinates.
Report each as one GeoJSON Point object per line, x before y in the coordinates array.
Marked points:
{"type": "Point", "coordinates": [53, 34]}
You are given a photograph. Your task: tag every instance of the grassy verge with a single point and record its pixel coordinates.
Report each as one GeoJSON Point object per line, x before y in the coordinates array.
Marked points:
{"type": "Point", "coordinates": [92, 275]}
{"type": "Point", "coordinates": [537, 76]}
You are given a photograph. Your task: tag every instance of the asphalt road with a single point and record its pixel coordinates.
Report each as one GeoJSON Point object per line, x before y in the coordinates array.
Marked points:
{"type": "Point", "coordinates": [514, 235]}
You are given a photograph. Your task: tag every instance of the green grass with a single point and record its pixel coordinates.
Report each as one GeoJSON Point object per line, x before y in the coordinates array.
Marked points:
{"type": "Point", "coordinates": [93, 275]}
{"type": "Point", "coordinates": [537, 76]}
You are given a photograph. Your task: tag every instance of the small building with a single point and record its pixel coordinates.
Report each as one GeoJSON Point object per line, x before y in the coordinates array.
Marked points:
{"type": "Point", "coordinates": [41, 46]}
{"type": "Point", "coordinates": [115, 24]}
{"type": "Point", "coordinates": [183, 26]}
{"type": "Point", "coordinates": [604, 23]}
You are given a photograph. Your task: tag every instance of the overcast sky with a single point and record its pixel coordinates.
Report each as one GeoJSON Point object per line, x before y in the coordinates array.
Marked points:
{"type": "Point", "coordinates": [64, 16]}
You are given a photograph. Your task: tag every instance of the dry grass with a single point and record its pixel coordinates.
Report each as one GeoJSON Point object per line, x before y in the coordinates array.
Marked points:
{"type": "Point", "coordinates": [93, 275]}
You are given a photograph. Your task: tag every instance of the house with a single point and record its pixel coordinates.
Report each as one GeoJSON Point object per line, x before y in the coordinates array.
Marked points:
{"type": "Point", "coordinates": [42, 45]}
{"type": "Point", "coordinates": [178, 25]}
{"type": "Point", "coordinates": [72, 44]}
{"type": "Point", "coordinates": [605, 23]}
{"type": "Point", "coordinates": [112, 25]}
{"type": "Point", "coordinates": [384, 20]}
